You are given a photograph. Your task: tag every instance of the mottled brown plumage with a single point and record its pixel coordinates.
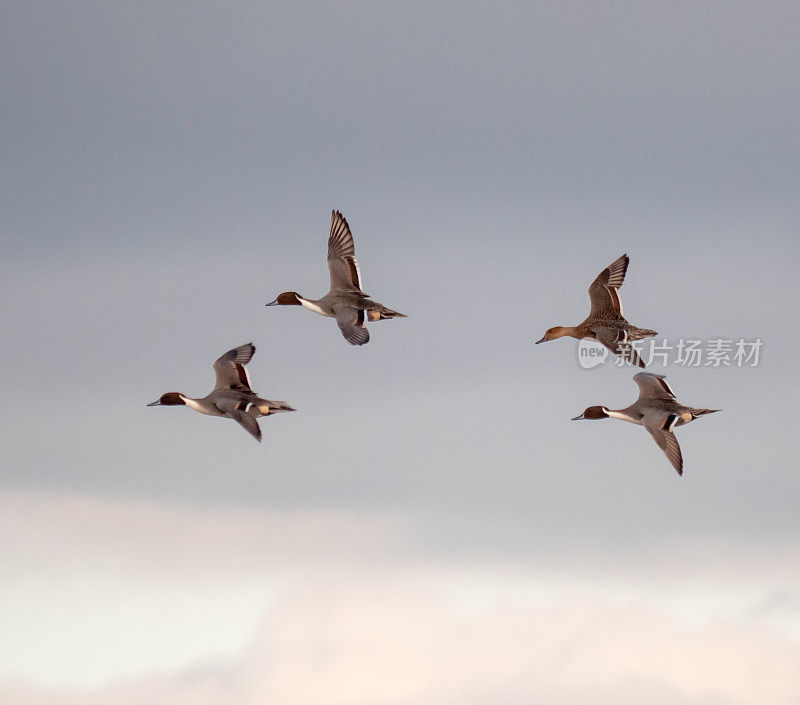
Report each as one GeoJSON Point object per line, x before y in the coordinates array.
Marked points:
{"type": "Point", "coordinates": [605, 322]}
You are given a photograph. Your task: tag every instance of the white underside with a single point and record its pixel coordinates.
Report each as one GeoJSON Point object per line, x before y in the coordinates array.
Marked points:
{"type": "Point", "coordinates": [621, 417]}
{"type": "Point", "coordinates": [313, 307]}
{"type": "Point", "coordinates": [192, 404]}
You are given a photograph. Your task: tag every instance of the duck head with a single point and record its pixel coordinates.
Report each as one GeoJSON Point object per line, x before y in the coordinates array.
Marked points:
{"type": "Point", "coordinates": [287, 298]}
{"type": "Point", "coordinates": [169, 399]}
{"type": "Point", "coordinates": [553, 333]}
{"type": "Point", "coordinates": [591, 413]}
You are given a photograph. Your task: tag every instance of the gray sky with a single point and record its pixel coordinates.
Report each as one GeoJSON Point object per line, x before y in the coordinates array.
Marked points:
{"type": "Point", "coordinates": [170, 168]}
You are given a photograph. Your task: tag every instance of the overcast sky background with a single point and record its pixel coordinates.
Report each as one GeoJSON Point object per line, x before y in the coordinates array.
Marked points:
{"type": "Point", "coordinates": [429, 526]}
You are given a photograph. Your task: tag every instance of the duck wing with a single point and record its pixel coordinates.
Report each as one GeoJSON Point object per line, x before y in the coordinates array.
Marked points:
{"type": "Point", "coordinates": [667, 441]}
{"type": "Point", "coordinates": [351, 323]}
{"type": "Point", "coordinates": [604, 294]}
{"type": "Point", "coordinates": [230, 368]}
{"type": "Point", "coordinates": [653, 386]}
{"type": "Point", "coordinates": [616, 340]}
{"type": "Point", "coordinates": [235, 409]}
{"type": "Point", "coordinates": [342, 263]}
{"type": "Point", "coordinates": [248, 422]}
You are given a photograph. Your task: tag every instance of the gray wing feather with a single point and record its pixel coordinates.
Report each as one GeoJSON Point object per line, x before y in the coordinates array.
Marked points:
{"type": "Point", "coordinates": [351, 323]}
{"type": "Point", "coordinates": [234, 409]}
{"type": "Point", "coordinates": [342, 263]}
{"type": "Point", "coordinates": [667, 441]}
{"type": "Point", "coordinates": [653, 386]}
{"type": "Point", "coordinates": [248, 422]}
{"type": "Point", "coordinates": [230, 368]}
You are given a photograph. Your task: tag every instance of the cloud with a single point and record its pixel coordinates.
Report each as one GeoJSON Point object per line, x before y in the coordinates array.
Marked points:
{"type": "Point", "coordinates": [67, 536]}
{"type": "Point", "coordinates": [143, 602]}
{"type": "Point", "coordinates": [391, 641]}
{"type": "Point", "coordinates": [99, 588]}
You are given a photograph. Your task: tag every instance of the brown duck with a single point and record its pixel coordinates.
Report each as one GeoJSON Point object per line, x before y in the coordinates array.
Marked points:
{"type": "Point", "coordinates": [605, 323]}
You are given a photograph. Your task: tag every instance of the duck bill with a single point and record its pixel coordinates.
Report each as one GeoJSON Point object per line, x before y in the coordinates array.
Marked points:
{"type": "Point", "coordinates": [543, 340]}
{"type": "Point", "coordinates": [579, 418]}
{"type": "Point", "coordinates": [155, 403]}
{"type": "Point", "coordinates": [273, 303]}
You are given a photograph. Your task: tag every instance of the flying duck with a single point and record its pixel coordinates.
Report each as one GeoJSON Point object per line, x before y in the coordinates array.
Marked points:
{"type": "Point", "coordinates": [657, 410]}
{"type": "Point", "coordinates": [232, 396]}
{"type": "Point", "coordinates": [346, 302]}
{"type": "Point", "coordinates": [605, 323]}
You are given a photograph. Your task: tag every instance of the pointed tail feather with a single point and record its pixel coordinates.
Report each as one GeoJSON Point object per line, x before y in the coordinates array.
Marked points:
{"type": "Point", "coordinates": [268, 407]}
{"type": "Point", "coordinates": [379, 312]}
{"type": "Point", "coordinates": [639, 333]}
{"type": "Point", "coordinates": [700, 412]}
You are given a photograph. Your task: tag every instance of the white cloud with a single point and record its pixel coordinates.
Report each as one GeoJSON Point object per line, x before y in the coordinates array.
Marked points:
{"type": "Point", "coordinates": [95, 588]}
{"type": "Point", "coordinates": [397, 641]}
{"type": "Point", "coordinates": [136, 602]}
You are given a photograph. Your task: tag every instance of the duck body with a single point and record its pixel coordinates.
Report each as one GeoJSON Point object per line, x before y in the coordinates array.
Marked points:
{"type": "Point", "coordinates": [220, 403]}
{"type": "Point", "coordinates": [232, 396]}
{"type": "Point", "coordinates": [606, 324]}
{"type": "Point", "coordinates": [346, 301]}
{"type": "Point", "coordinates": [657, 410]}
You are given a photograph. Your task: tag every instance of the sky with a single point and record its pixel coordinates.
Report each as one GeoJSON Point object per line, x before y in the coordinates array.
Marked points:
{"type": "Point", "coordinates": [429, 526]}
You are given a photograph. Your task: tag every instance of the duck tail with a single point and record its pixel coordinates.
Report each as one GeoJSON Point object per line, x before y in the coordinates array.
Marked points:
{"type": "Point", "coordinates": [274, 407]}
{"type": "Point", "coordinates": [379, 312]}
{"type": "Point", "coordinates": [702, 412]}
{"type": "Point", "coordinates": [639, 333]}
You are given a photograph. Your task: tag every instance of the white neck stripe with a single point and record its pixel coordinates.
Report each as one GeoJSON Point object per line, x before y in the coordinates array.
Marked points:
{"type": "Point", "coordinates": [312, 306]}
{"type": "Point", "coordinates": [618, 415]}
